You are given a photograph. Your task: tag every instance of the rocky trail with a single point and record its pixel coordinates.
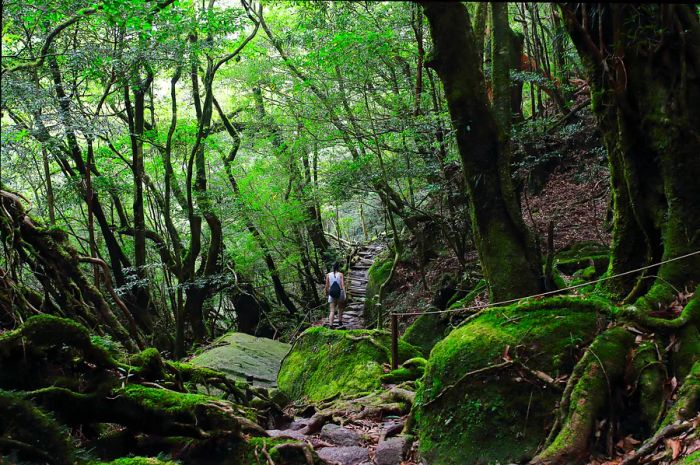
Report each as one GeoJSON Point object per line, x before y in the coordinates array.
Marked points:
{"type": "Point", "coordinates": [356, 284]}
{"type": "Point", "coordinates": [351, 435]}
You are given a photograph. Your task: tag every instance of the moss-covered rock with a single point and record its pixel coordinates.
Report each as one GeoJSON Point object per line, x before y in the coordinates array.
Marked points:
{"type": "Point", "coordinates": [430, 328]}
{"type": "Point", "coordinates": [583, 255]}
{"type": "Point", "coordinates": [324, 363]}
{"type": "Point", "coordinates": [377, 274]}
{"type": "Point", "coordinates": [243, 357]}
{"type": "Point", "coordinates": [410, 370]}
{"type": "Point", "coordinates": [139, 461]}
{"type": "Point", "coordinates": [476, 407]}
{"type": "Point", "coordinates": [426, 331]}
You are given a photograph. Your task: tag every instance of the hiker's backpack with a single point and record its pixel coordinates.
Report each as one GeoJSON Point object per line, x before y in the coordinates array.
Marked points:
{"type": "Point", "coordinates": [334, 290]}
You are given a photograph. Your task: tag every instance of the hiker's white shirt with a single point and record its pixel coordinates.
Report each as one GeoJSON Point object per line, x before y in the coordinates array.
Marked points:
{"type": "Point", "coordinates": [333, 279]}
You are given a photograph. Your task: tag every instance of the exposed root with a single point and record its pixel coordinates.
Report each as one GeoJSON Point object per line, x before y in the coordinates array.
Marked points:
{"type": "Point", "coordinates": [602, 365]}
{"type": "Point", "coordinates": [649, 378]}
{"type": "Point", "coordinates": [57, 267]}
{"type": "Point", "coordinates": [652, 443]}
{"type": "Point", "coordinates": [690, 314]}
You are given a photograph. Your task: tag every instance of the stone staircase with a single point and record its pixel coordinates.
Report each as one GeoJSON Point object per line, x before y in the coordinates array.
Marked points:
{"type": "Point", "coordinates": [356, 283]}
{"type": "Point", "coordinates": [356, 286]}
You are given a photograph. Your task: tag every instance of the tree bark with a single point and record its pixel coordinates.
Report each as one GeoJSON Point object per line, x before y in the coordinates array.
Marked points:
{"type": "Point", "coordinates": [645, 92]}
{"type": "Point", "coordinates": [508, 255]}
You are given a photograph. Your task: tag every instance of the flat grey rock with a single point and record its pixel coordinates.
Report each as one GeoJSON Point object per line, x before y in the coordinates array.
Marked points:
{"type": "Point", "coordinates": [340, 436]}
{"type": "Point", "coordinates": [242, 357]}
{"type": "Point", "coordinates": [391, 452]}
{"type": "Point", "coordinates": [286, 433]}
{"type": "Point", "coordinates": [352, 455]}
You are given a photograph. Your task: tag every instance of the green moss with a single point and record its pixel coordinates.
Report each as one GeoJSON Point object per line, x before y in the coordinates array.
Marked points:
{"type": "Point", "coordinates": [602, 365]}
{"type": "Point", "coordinates": [426, 331]}
{"type": "Point", "coordinates": [30, 434]}
{"type": "Point", "coordinates": [650, 376]}
{"type": "Point", "coordinates": [25, 351]}
{"type": "Point", "coordinates": [150, 364]}
{"type": "Point", "coordinates": [252, 452]}
{"type": "Point", "coordinates": [430, 328]}
{"type": "Point", "coordinates": [498, 416]}
{"type": "Point", "coordinates": [688, 400]}
{"type": "Point", "coordinates": [48, 331]}
{"type": "Point", "coordinates": [469, 298]}
{"type": "Point", "coordinates": [163, 405]}
{"type": "Point", "coordinates": [139, 461]}
{"type": "Point", "coordinates": [688, 351]}
{"type": "Point", "coordinates": [324, 363]}
{"type": "Point", "coordinates": [410, 370]}
{"type": "Point", "coordinates": [581, 256]}
{"type": "Point", "coordinates": [692, 459]}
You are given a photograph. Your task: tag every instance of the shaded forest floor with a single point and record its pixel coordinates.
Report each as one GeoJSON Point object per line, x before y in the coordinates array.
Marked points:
{"type": "Point", "coordinates": [568, 186]}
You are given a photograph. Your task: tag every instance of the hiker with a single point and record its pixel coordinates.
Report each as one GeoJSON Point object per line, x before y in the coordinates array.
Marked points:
{"type": "Point", "coordinates": [335, 290]}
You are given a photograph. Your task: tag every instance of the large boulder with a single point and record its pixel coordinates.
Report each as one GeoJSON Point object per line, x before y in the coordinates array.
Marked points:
{"type": "Point", "coordinates": [242, 357]}
{"type": "Point", "coordinates": [377, 274]}
{"type": "Point", "coordinates": [430, 328]}
{"type": "Point", "coordinates": [483, 399]}
{"type": "Point", "coordinates": [324, 363]}
{"type": "Point", "coordinates": [426, 331]}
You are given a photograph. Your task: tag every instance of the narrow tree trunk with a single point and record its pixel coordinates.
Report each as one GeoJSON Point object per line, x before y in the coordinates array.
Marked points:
{"type": "Point", "coordinates": [136, 119]}
{"type": "Point", "coordinates": [508, 256]}
{"type": "Point", "coordinates": [49, 186]}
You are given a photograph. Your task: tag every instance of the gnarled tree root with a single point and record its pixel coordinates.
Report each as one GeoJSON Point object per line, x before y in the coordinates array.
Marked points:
{"type": "Point", "coordinates": [602, 365]}
{"type": "Point", "coordinates": [30, 434]}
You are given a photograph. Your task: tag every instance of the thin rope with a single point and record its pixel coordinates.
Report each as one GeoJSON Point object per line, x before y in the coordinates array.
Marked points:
{"type": "Point", "coordinates": [558, 291]}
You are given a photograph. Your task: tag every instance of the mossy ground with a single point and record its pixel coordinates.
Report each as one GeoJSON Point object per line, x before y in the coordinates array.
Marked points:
{"type": "Point", "coordinates": [500, 415]}
{"type": "Point", "coordinates": [692, 459]}
{"type": "Point", "coordinates": [324, 363]}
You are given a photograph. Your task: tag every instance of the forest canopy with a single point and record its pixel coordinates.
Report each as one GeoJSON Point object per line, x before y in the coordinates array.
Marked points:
{"type": "Point", "coordinates": [510, 187]}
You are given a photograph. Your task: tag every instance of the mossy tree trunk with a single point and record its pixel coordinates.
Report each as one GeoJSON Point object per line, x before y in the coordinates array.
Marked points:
{"type": "Point", "coordinates": [644, 67]}
{"type": "Point", "coordinates": [508, 255]}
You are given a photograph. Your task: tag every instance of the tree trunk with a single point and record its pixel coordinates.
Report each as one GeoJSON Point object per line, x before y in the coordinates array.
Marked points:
{"type": "Point", "coordinates": [508, 256]}
{"type": "Point", "coordinates": [646, 95]}
{"type": "Point", "coordinates": [136, 120]}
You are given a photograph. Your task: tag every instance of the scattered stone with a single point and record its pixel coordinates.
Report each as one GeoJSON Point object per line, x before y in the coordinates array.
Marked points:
{"type": "Point", "coordinates": [352, 455]}
{"type": "Point", "coordinates": [391, 429]}
{"type": "Point", "coordinates": [391, 452]}
{"type": "Point", "coordinates": [340, 435]}
{"type": "Point", "coordinates": [286, 433]}
{"type": "Point", "coordinates": [298, 424]}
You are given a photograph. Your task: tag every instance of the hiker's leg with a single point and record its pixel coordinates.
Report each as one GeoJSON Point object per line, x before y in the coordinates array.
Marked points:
{"type": "Point", "coordinates": [341, 307]}
{"type": "Point", "coordinates": [330, 317]}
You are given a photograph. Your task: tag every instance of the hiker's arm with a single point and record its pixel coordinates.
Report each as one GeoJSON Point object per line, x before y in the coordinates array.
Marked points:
{"type": "Point", "coordinates": [342, 281]}
{"type": "Point", "coordinates": [325, 288]}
